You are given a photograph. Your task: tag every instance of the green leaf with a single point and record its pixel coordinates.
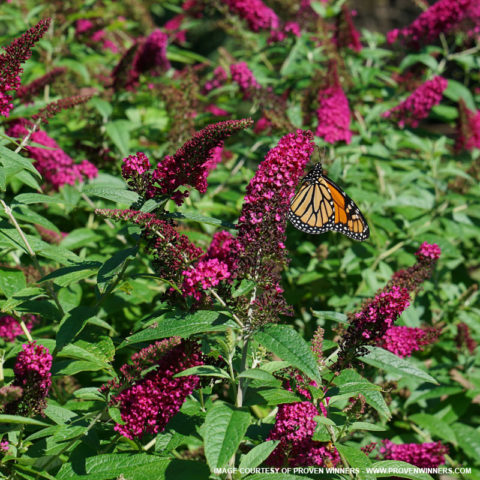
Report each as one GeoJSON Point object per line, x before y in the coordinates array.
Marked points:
{"type": "Point", "coordinates": [366, 426]}
{"type": "Point", "coordinates": [435, 426]}
{"type": "Point", "coordinates": [373, 398]}
{"type": "Point", "coordinates": [139, 466]}
{"type": "Point", "coordinates": [390, 468]}
{"type": "Point", "coordinates": [269, 396]}
{"type": "Point", "coordinates": [326, 315]}
{"type": "Point", "coordinates": [287, 344]}
{"type": "Point", "coordinates": [245, 287]}
{"type": "Point", "coordinates": [204, 370]}
{"type": "Point", "coordinates": [266, 378]}
{"type": "Point", "coordinates": [113, 266]}
{"type": "Point", "coordinates": [468, 439]}
{"type": "Point", "coordinates": [9, 157]}
{"type": "Point", "coordinates": [72, 324]}
{"type": "Point", "coordinates": [225, 427]}
{"type": "Point", "coordinates": [195, 217]}
{"type": "Point", "coordinates": [424, 58]}
{"type": "Point", "coordinates": [115, 194]}
{"type": "Point", "coordinates": [182, 325]}
{"type": "Point", "coordinates": [349, 382]}
{"type": "Point", "coordinates": [258, 454]}
{"type": "Point", "coordinates": [66, 275]}
{"type": "Point", "coordinates": [8, 419]}
{"type": "Point", "coordinates": [32, 198]}
{"type": "Point", "coordinates": [355, 459]}
{"type": "Point", "coordinates": [119, 133]}
{"type": "Point", "coordinates": [388, 361]}
{"type": "Point", "coordinates": [456, 91]}
{"type": "Point", "coordinates": [11, 281]}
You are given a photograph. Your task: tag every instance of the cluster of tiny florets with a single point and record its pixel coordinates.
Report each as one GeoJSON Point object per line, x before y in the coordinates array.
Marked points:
{"type": "Point", "coordinates": [32, 374]}
{"type": "Point", "coordinates": [422, 455]}
{"type": "Point", "coordinates": [148, 402]}
{"type": "Point", "coordinates": [257, 15]}
{"type": "Point", "coordinates": [418, 105]}
{"type": "Point", "coordinates": [18, 52]}
{"type": "Point", "coordinates": [53, 163]}
{"type": "Point", "coordinates": [468, 128]}
{"type": "Point", "coordinates": [442, 17]}
{"type": "Point", "coordinates": [403, 341]}
{"type": "Point", "coordinates": [294, 426]}
{"type": "Point", "coordinates": [10, 328]}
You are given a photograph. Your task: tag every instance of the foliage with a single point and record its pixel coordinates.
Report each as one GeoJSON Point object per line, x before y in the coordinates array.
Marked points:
{"type": "Point", "coordinates": [159, 317]}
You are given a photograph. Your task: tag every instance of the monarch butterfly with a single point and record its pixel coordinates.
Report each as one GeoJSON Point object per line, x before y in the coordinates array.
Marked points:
{"type": "Point", "coordinates": [321, 205]}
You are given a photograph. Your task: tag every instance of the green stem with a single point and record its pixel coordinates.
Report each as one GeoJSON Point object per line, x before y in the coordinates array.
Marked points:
{"type": "Point", "coordinates": [242, 382]}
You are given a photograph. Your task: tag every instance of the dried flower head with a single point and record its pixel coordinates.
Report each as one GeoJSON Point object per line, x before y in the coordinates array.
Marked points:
{"type": "Point", "coordinates": [26, 93]}
{"type": "Point", "coordinates": [18, 52]}
{"type": "Point", "coordinates": [346, 35]}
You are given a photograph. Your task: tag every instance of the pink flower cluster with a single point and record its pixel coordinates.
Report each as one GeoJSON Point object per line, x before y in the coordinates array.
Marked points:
{"type": "Point", "coordinates": [418, 105]}
{"type": "Point", "coordinates": [403, 341]}
{"type": "Point", "coordinates": [333, 115]}
{"type": "Point", "coordinates": [244, 78]}
{"type": "Point", "coordinates": [54, 164]}
{"type": "Point", "coordinates": [468, 128]}
{"type": "Point", "coordinates": [422, 455]}
{"type": "Point", "coordinates": [206, 273]}
{"type": "Point", "coordinates": [257, 15]}
{"type": "Point", "coordinates": [283, 31]}
{"type": "Point", "coordinates": [148, 403]}
{"type": "Point", "coordinates": [262, 222]}
{"type": "Point", "coordinates": [10, 328]}
{"type": "Point", "coordinates": [85, 26]}
{"type": "Point", "coordinates": [219, 78]}
{"type": "Point", "coordinates": [146, 55]}
{"type": "Point", "coordinates": [174, 30]}
{"type": "Point", "coordinates": [18, 52]}
{"type": "Point", "coordinates": [294, 427]}
{"type": "Point", "coordinates": [219, 263]}
{"type": "Point", "coordinates": [187, 165]}
{"type": "Point", "coordinates": [380, 314]}
{"type": "Point", "coordinates": [32, 374]}
{"type": "Point", "coordinates": [428, 251]}
{"type": "Point", "coordinates": [4, 446]}
{"type": "Point", "coordinates": [442, 17]}
{"type": "Point", "coordinates": [217, 111]}
{"type": "Point", "coordinates": [346, 35]}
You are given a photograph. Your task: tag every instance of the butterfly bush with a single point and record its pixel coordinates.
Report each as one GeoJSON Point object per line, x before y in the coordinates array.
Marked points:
{"type": "Point", "coordinates": [441, 17]}
{"type": "Point", "coordinates": [219, 78]}
{"type": "Point", "coordinates": [468, 128]}
{"type": "Point", "coordinates": [54, 164]}
{"type": "Point", "coordinates": [257, 15]}
{"type": "Point", "coordinates": [294, 427]}
{"type": "Point", "coordinates": [10, 327]}
{"type": "Point", "coordinates": [244, 78]}
{"type": "Point", "coordinates": [333, 112]}
{"type": "Point", "coordinates": [422, 455]}
{"type": "Point", "coordinates": [346, 35]}
{"type": "Point", "coordinates": [464, 338]}
{"type": "Point", "coordinates": [378, 315]}
{"type": "Point", "coordinates": [33, 376]}
{"type": "Point", "coordinates": [262, 222]}
{"type": "Point", "coordinates": [148, 54]}
{"type": "Point", "coordinates": [18, 52]}
{"type": "Point", "coordinates": [26, 93]}
{"type": "Point", "coordinates": [403, 341]}
{"type": "Point", "coordinates": [418, 105]}
{"type": "Point", "coordinates": [148, 402]}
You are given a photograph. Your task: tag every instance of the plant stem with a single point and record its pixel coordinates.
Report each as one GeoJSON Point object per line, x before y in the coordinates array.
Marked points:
{"type": "Point", "coordinates": [33, 256]}
{"type": "Point", "coordinates": [242, 387]}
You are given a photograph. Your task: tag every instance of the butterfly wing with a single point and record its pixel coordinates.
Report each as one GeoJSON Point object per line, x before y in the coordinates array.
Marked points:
{"type": "Point", "coordinates": [320, 205]}
{"type": "Point", "coordinates": [312, 208]}
{"type": "Point", "coordinates": [348, 218]}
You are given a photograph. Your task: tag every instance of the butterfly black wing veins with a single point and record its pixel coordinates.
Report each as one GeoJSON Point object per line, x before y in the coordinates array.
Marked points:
{"type": "Point", "coordinates": [320, 205]}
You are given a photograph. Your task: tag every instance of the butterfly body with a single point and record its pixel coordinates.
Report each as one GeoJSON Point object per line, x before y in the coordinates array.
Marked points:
{"type": "Point", "coordinates": [320, 205]}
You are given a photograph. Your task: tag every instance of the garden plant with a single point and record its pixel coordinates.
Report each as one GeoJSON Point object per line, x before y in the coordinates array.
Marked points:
{"type": "Point", "coordinates": [167, 310]}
